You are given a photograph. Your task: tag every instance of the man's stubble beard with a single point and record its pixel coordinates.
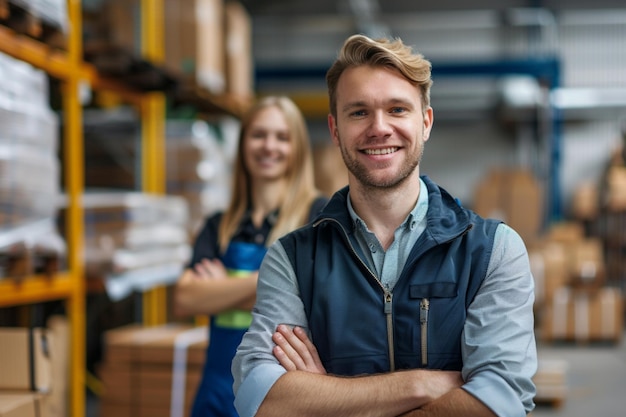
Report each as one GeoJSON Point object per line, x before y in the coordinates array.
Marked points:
{"type": "Point", "coordinates": [368, 181]}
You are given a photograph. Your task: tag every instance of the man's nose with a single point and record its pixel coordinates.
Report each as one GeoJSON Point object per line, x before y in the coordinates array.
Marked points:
{"type": "Point", "coordinates": [379, 126]}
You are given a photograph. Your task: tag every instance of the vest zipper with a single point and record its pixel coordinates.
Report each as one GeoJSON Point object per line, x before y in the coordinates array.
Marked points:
{"type": "Point", "coordinates": [424, 307]}
{"type": "Point", "coordinates": [388, 300]}
{"type": "Point", "coordinates": [387, 295]}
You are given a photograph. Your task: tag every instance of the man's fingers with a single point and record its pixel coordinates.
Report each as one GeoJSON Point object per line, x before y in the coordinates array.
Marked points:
{"type": "Point", "coordinates": [283, 359]}
{"type": "Point", "coordinates": [289, 343]}
{"type": "Point", "coordinates": [311, 350]}
{"type": "Point", "coordinates": [295, 345]}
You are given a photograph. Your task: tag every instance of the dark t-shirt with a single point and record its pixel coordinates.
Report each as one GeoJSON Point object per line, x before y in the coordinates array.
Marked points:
{"type": "Point", "coordinates": [206, 246]}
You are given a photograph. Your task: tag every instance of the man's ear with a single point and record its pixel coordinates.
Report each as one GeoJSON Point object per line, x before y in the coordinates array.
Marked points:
{"type": "Point", "coordinates": [332, 127]}
{"type": "Point", "coordinates": [428, 122]}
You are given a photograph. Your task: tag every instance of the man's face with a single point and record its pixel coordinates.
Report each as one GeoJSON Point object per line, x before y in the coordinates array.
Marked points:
{"type": "Point", "coordinates": [380, 126]}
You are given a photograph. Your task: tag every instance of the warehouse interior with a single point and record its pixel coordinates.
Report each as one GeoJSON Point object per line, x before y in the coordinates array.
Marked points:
{"type": "Point", "coordinates": [118, 130]}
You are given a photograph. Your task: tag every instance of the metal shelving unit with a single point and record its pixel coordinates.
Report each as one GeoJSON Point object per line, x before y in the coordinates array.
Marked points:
{"type": "Point", "coordinates": [70, 69]}
{"type": "Point", "coordinates": [68, 285]}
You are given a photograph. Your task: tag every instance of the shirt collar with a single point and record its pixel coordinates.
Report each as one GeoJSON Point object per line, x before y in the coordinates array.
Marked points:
{"type": "Point", "coordinates": [270, 219]}
{"type": "Point", "coordinates": [417, 215]}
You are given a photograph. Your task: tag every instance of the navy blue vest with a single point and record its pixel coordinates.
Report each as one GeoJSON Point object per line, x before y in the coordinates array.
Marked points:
{"type": "Point", "coordinates": [346, 305]}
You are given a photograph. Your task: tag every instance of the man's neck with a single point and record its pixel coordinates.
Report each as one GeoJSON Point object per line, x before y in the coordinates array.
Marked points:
{"type": "Point", "coordinates": [384, 210]}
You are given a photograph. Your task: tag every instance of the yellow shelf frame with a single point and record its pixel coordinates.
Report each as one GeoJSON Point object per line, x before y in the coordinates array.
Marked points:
{"type": "Point", "coordinates": [154, 301]}
{"type": "Point", "coordinates": [15, 292]}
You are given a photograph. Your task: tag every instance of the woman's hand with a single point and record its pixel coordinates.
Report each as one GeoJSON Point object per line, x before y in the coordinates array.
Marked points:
{"type": "Point", "coordinates": [210, 269]}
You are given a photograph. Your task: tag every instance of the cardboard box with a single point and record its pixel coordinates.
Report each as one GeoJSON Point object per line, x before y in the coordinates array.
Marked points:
{"type": "Point", "coordinates": [551, 381]}
{"type": "Point", "coordinates": [238, 50]}
{"type": "Point", "coordinates": [162, 397]}
{"type": "Point", "coordinates": [513, 196]}
{"type": "Point", "coordinates": [57, 400]}
{"type": "Point", "coordinates": [25, 359]}
{"type": "Point", "coordinates": [108, 409]}
{"type": "Point", "coordinates": [193, 37]}
{"type": "Point", "coordinates": [161, 350]}
{"type": "Point", "coordinates": [587, 265]}
{"type": "Point", "coordinates": [146, 369]}
{"type": "Point", "coordinates": [23, 404]}
{"type": "Point", "coordinates": [194, 42]}
{"type": "Point", "coordinates": [586, 201]}
{"type": "Point", "coordinates": [548, 264]}
{"type": "Point", "coordinates": [584, 316]}
{"type": "Point", "coordinates": [17, 405]}
{"type": "Point", "coordinates": [565, 232]}
{"type": "Point", "coordinates": [615, 198]}
{"type": "Point", "coordinates": [121, 344]}
{"type": "Point", "coordinates": [118, 384]}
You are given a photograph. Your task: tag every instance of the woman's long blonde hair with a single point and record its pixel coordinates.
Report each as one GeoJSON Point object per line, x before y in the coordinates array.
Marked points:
{"type": "Point", "coordinates": [301, 190]}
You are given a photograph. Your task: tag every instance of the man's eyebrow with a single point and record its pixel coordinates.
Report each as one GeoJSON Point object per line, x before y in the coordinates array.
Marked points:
{"type": "Point", "coordinates": [404, 102]}
{"type": "Point", "coordinates": [353, 105]}
{"type": "Point", "coordinates": [390, 102]}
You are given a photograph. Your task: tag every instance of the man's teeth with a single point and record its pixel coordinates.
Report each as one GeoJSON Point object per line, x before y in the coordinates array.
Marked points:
{"type": "Point", "coordinates": [380, 151]}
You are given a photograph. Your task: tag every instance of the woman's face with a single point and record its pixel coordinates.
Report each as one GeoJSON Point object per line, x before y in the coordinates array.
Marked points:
{"type": "Point", "coordinates": [267, 147]}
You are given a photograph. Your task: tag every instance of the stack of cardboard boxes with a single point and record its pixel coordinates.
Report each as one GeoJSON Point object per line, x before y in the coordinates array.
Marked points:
{"type": "Point", "coordinates": [151, 371]}
{"type": "Point", "coordinates": [26, 377]}
{"type": "Point", "coordinates": [576, 299]}
{"type": "Point", "coordinates": [573, 301]}
{"type": "Point", "coordinates": [513, 195]}
{"type": "Point", "coordinates": [207, 43]}
{"type": "Point", "coordinates": [33, 370]}
{"type": "Point", "coordinates": [573, 298]}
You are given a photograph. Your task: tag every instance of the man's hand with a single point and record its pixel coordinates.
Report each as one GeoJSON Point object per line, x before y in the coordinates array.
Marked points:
{"type": "Point", "coordinates": [295, 351]}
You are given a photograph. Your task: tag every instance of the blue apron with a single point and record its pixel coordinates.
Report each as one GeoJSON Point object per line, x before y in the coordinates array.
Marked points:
{"type": "Point", "coordinates": [215, 394]}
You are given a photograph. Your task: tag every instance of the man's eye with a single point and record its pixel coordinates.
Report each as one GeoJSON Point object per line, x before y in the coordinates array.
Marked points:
{"type": "Point", "coordinates": [398, 110]}
{"type": "Point", "coordinates": [358, 113]}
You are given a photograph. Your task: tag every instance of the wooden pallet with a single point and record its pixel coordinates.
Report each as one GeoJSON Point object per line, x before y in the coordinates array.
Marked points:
{"type": "Point", "coordinates": [24, 22]}
{"type": "Point", "coordinates": [127, 67]}
{"type": "Point", "coordinates": [19, 262]}
{"type": "Point", "coordinates": [551, 382]}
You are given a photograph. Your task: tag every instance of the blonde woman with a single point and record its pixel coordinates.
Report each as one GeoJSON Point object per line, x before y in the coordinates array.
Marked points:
{"type": "Point", "coordinates": [273, 193]}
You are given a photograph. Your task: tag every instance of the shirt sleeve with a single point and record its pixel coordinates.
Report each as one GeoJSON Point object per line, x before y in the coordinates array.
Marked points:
{"type": "Point", "coordinates": [205, 245]}
{"type": "Point", "coordinates": [499, 349]}
{"type": "Point", "coordinates": [254, 368]}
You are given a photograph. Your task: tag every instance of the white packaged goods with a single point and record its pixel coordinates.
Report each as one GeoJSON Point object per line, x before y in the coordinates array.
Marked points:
{"type": "Point", "coordinates": [29, 161]}
{"type": "Point", "coordinates": [134, 240]}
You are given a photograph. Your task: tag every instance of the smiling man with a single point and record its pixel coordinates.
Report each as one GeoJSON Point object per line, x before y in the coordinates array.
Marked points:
{"type": "Point", "coordinates": [395, 301]}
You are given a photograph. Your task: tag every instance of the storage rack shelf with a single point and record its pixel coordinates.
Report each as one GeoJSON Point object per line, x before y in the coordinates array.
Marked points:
{"type": "Point", "coordinates": [73, 72]}
{"type": "Point", "coordinates": [69, 68]}
{"type": "Point", "coordinates": [35, 289]}
{"type": "Point", "coordinates": [68, 285]}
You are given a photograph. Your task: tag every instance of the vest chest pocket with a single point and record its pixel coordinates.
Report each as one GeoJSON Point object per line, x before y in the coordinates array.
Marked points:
{"type": "Point", "coordinates": [433, 290]}
{"type": "Point", "coordinates": [436, 317]}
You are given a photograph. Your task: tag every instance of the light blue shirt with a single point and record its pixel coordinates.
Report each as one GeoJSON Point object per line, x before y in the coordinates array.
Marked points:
{"type": "Point", "coordinates": [497, 367]}
{"type": "Point", "coordinates": [388, 264]}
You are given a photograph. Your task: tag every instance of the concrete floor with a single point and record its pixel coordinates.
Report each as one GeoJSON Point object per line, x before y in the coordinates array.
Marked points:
{"type": "Point", "coordinates": [595, 380]}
